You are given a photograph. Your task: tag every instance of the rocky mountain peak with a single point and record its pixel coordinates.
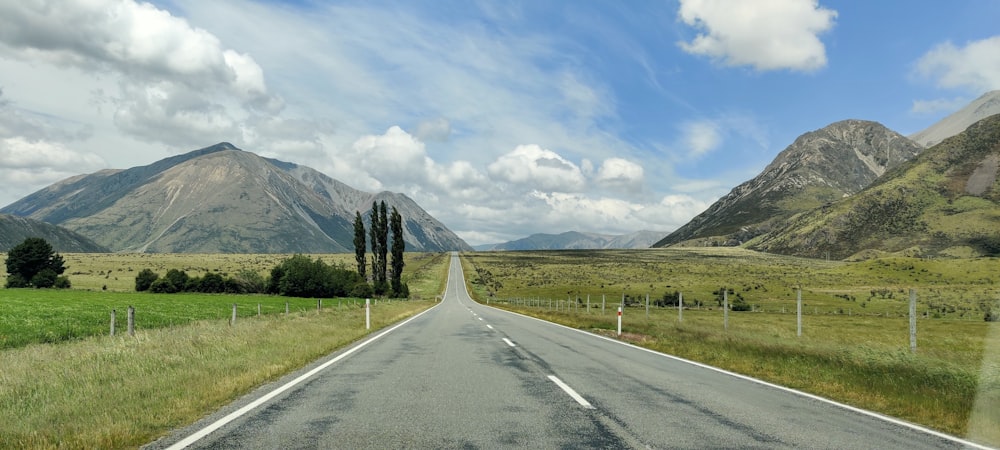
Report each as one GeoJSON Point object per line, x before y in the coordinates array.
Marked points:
{"type": "Point", "coordinates": [819, 167]}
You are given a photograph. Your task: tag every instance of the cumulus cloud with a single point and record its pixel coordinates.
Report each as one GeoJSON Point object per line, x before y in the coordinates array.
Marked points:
{"type": "Point", "coordinates": [28, 164]}
{"type": "Point", "coordinates": [974, 66]}
{"type": "Point", "coordinates": [673, 211]}
{"type": "Point", "coordinates": [620, 174]}
{"type": "Point", "coordinates": [395, 156]}
{"type": "Point", "coordinates": [772, 35]}
{"type": "Point", "coordinates": [177, 84]}
{"type": "Point", "coordinates": [537, 168]}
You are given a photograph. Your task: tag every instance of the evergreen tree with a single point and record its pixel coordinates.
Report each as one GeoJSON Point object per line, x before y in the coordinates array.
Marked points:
{"type": "Point", "coordinates": [398, 247]}
{"type": "Point", "coordinates": [373, 234]}
{"type": "Point", "coordinates": [359, 243]}
{"type": "Point", "coordinates": [383, 245]}
{"type": "Point", "coordinates": [32, 263]}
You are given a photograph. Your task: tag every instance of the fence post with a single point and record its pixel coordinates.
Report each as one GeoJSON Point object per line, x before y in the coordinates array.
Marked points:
{"type": "Point", "coordinates": [588, 303]}
{"type": "Point", "coordinates": [725, 308]}
{"type": "Point", "coordinates": [286, 308]}
{"type": "Point", "coordinates": [798, 311]}
{"type": "Point", "coordinates": [602, 304]}
{"type": "Point", "coordinates": [112, 322]}
{"type": "Point", "coordinates": [368, 314]}
{"type": "Point", "coordinates": [680, 306]}
{"type": "Point", "coordinates": [232, 320]}
{"type": "Point", "coordinates": [647, 305]}
{"type": "Point", "coordinates": [258, 310]}
{"type": "Point", "coordinates": [913, 320]}
{"type": "Point", "coordinates": [319, 304]}
{"type": "Point", "coordinates": [131, 321]}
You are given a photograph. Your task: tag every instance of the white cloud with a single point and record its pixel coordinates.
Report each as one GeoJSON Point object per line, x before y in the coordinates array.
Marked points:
{"type": "Point", "coordinates": [975, 66]}
{"type": "Point", "coordinates": [438, 129]}
{"type": "Point", "coordinates": [700, 137]}
{"type": "Point", "coordinates": [620, 174]}
{"type": "Point", "coordinates": [771, 35]}
{"type": "Point", "coordinates": [537, 168]}
{"type": "Point", "coordinates": [673, 211]}
{"type": "Point", "coordinates": [394, 157]}
{"type": "Point", "coordinates": [938, 105]}
{"type": "Point", "coordinates": [174, 83]}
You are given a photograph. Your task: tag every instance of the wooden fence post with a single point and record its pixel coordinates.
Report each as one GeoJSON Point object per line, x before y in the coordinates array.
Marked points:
{"type": "Point", "coordinates": [131, 321]}
{"type": "Point", "coordinates": [798, 311]}
{"type": "Point", "coordinates": [725, 308]}
{"type": "Point", "coordinates": [232, 320]}
{"type": "Point", "coordinates": [112, 322]}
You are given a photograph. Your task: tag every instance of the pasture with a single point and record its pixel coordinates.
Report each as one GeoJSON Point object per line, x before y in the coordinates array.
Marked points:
{"type": "Point", "coordinates": [66, 384]}
{"type": "Point", "coordinates": [855, 342]}
{"type": "Point", "coordinates": [106, 282]}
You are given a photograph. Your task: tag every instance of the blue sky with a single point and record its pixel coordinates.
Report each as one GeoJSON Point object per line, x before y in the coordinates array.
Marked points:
{"type": "Point", "coordinates": [502, 119]}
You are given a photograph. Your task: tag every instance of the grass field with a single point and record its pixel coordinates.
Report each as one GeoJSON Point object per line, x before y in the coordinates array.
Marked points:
{"type": "Point", "coordinates": [48, 316]}
{"type": "Point", "coordinates": [855, 342]}
{"type": "Point", "coordinates": [65, 383]}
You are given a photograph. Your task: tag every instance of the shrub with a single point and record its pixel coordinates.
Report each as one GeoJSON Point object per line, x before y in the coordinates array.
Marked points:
{"type": "Point", "coordinates": [144, 279]}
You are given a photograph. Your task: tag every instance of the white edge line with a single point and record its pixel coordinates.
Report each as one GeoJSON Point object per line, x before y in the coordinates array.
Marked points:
{"type": "Point", "coordinates": [270, 395]}
{"type": "Point", "coordinates": [855, 409]}
{"type": "Point", "coordinates": [198, 435]}
{"type": "Point", "coordinates": [509, 342]}
{"type": "Point", "coordinates": [565, 387]}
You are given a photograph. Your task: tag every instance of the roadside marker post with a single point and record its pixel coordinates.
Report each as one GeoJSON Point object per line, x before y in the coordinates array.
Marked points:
{"type": "Point", "coordinates": [368, 314]}
{"type": "Point", "coordinates": [619, 321]}
{"type": "Point", "coordinates": [680, 306]}
{"type": "Point", "coordinates": [913, 320]}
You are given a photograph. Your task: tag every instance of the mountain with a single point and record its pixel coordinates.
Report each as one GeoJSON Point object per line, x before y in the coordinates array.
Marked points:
{"type": "Point", "coordinates": [14, 230]}
{"type": "Point", "coordinates": [946, 202]}
{"type": "Point", "coordinates": [221, 199]}
{"type": "Point", "coordinates": [986, 105]}
{"type": "Point", "coordinates": [820, 167]}
{"type": "Point", "coordinates": [575, 240]}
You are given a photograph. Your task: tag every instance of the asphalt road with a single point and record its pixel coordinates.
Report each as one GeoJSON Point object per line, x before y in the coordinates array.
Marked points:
{"type": "Point", "coordinates": [464, 375]}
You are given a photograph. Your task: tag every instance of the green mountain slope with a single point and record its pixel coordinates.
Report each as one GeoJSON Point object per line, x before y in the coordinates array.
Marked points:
{"type": "Point", "coordinates": [820, 167]}
{"type": "Point", "coordinates": [944, 202]}
{"type": "Point", "coordinates": [14, 230]}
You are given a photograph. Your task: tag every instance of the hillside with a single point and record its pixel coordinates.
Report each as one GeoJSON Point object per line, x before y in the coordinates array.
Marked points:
{"type": "Point", "coordinates": [14, 230]}
{"type": "Point", "coordinates": [946, 202]}
{"type": "Point", "coordinates": [221, 199]}
{"type": "Point", "coordinates": [820, 167]}
{"type": "Point", "coordinates": [575, 240]}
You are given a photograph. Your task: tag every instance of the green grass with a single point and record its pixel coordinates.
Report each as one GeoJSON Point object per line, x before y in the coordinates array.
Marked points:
{"type": "Point", "coordinates": [855, 343]}
{"type": "Point", "coordinates": [49, 316]}
{"type": "Point", "coordinates": [123, 392]}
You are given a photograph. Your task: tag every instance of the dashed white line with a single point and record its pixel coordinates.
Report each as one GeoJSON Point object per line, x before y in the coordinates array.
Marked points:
{"type": "Point", "coordinates": [480, 318]}
{"type": "Point", "coordinates": [489, 326]}
{"type": "Point", "coordinates": [565, 387]}
{"type": "Point", "coordinates": [509, 342]}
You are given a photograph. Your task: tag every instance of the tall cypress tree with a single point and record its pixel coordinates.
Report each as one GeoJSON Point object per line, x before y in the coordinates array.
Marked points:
{"type": "Point", "coordinates": [359, 243]}
{"type": "Point", "coordinates": [398, 246]}
{"type": "Point", "coordinates": [373, 234]}
{"type": "Point", "coordinates": [383, 244]}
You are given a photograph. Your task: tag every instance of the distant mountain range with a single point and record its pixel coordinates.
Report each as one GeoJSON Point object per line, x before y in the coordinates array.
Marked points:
{"type": "Point", "coordinates": [824, 195]}
{"type": "Point", "coordinates": [14, 230]}
{"type": "Point", "coordinates": [221, 199]}
{"type": "Point", "coordinates": [575, 240]}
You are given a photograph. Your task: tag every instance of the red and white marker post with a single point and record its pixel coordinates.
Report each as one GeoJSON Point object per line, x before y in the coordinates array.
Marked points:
{"type": "Point", "coordinates": [619, 321]}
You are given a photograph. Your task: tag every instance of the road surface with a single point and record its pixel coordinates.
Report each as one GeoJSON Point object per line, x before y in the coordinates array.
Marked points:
{"type": "Point", "coordinates": [464, 375]}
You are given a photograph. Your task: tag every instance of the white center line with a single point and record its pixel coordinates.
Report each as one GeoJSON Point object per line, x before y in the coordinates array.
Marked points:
{"type": "Point", "coordinates": [509, 342]}
{"type": "Point", "coordinates": [480, 318]}
{"type": "Point", "coordinates": [489, 326]}
{"type": "Point", "coordinates": [565, 387]}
